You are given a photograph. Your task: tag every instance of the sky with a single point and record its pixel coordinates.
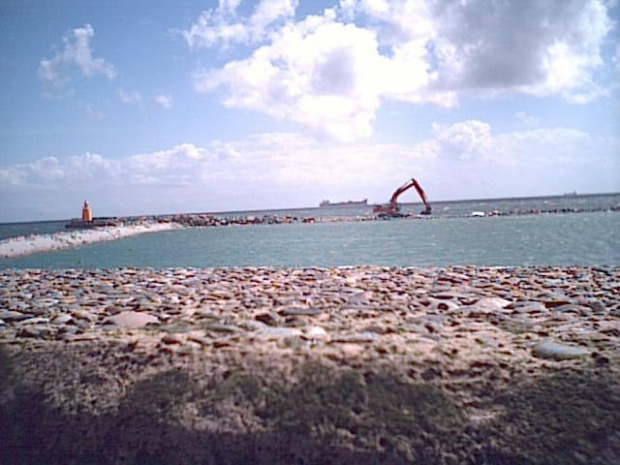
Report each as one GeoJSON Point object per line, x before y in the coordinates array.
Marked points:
{"type": "Point", "coordinates": [145, 107]}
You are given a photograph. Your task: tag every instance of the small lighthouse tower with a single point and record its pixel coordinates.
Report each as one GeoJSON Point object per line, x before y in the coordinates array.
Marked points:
{"type": "Point", "coordinates": [87, 213]}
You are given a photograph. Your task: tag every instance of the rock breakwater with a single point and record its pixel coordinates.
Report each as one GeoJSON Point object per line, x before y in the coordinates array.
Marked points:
{"type": "Point", "coordinates": [313, 365]}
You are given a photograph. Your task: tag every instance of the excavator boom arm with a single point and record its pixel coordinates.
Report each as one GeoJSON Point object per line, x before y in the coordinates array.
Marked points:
{"type": "Point", "coordinates": [422, 195]}
{"type": "Point", "coordinates": [405, 187]}
{"type": "Point", "coordinates": [392, 208]}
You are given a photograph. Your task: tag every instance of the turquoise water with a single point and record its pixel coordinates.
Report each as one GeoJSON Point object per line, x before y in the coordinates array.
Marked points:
{"type": "Point", "coordinates": [440, 209]}
{"type": "Point", "coordinates": [563, 239]}
{"type": "Point", "coordinates": [23, 229]}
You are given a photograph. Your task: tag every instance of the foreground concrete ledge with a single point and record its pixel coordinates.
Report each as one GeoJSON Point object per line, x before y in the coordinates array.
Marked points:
{"type": "Point", "coordinates": [341, 365]}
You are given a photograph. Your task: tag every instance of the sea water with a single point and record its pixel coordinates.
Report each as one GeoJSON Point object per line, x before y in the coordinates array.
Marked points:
{"type": "Point", "coordinates": [543, 239]}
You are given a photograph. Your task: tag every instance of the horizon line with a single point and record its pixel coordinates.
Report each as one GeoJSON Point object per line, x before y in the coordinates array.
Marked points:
{"type": "Point", "coordinates": [163, 215]}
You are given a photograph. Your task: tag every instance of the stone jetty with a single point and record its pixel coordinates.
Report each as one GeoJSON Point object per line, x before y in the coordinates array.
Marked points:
{"type": "Point", "coordinates": [455, 365]}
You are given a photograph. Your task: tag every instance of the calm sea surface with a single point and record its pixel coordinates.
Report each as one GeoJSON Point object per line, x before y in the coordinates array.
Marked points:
{"type": "Point", "coordinates": [553, 239]}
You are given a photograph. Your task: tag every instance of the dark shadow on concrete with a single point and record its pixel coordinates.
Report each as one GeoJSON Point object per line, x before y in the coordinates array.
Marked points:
{"type": "Point", "coordinates": [567, 417]}
{"type": "Point", "coordinates": [328, 417]}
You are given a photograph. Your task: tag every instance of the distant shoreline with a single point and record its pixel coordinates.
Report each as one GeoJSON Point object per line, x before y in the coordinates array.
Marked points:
{"type": "Point", "coordinates": [154, 217]}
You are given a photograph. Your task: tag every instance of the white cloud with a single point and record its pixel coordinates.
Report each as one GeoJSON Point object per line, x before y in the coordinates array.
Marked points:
{"type": "Point", "coordinates": [130, 98]}
{"type": "Point", "coordinates": [91, 111]}
{"type": "Point", "coordinates": [164, 101]}
{"type": "Point", "coordinates": [332, 72]}
{"type": "Point", "coordinates": [77, 53]}
{"type": "Point", "coordinates": [347, 9]}
{"type": "Point", "coordinates": [177, 166]}
{"type": "Point", "coordinates": [320, 73]}
{"type": "Point", "coordinates": [214, 27]}
{"type": "Point", "coordinates": [464, 140]}
{"type": "Point", "coordinates": [616, 59]}
{"type": "Point", "coordinates": [465, 159]}
{"type": "Point", "coordinates": [46, 170]}
{"type": "Point", "coordinates": [527, 120]}
{"type": "Point", "coordinates": [229, 5]}
{"type": "Point", "coordinates": [292, 160]}
{"type": "Point", "coordinates": [268, 12]}
{"type": "Point", "coordinates": [221, 25]}
{"type": "Point", "coordinates": [539, 47]}
{"type": "Point", "coordinates": [548, 145]}
{"type": "Point", "coordinates": [474, 141]}
{"type": "Point", "coordinates": [92, 168]}
{"type": "Point", "coordinates": [51, 171]}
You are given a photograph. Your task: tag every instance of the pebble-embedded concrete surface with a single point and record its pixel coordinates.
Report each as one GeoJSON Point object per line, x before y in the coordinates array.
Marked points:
{"type": "Point", "coordinates": [313, 365]}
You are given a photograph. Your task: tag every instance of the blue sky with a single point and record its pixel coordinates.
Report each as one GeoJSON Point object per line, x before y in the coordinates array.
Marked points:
{"type": "Point", "coordinates": [148, 107]}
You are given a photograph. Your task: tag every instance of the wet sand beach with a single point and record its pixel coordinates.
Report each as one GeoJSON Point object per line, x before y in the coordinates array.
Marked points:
{"type": "Point", "coordinates": [311, 365]}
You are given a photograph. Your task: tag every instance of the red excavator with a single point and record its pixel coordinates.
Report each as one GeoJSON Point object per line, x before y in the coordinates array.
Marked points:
{"type": "Point", "coordinates": [392, 209]}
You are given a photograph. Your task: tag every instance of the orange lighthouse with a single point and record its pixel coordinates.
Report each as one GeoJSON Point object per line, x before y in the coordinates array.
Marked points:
{"type": "Point", "coordinates": [87, 213]}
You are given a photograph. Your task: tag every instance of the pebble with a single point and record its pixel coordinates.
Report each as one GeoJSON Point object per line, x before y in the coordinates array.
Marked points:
{"type": "Point", "coordinates": [315, 333]}
{"type": "Point", "coordinates": [413, 328]}
{"type": "Point", "coordinates": [555, 351]}
{"type": "Point", "coordinates": [380, 329]}
{"type": "Point", "coordinates": [527, 307]}
{"type": "Point", "coordinates": [114, 309]}
{"type": "Point", "coordinates": [221, 328]}
{"type": "Point", "coordinates": [178, 328]}
{"type": "Point", "coordinates": [597, 306]}
{"type": "Point", "coordinates": [359, 297]}
{"type": "Point", "coordinates": [83, 315]}
{"type": "Point", "coordinates": [32, 331]}
{"type": "Point", "coordinates": [34, 321]}
{"type": "Point", "coordinates": [293, 311]}
{"type": "Point", "coordinates": [203, 341]}
{"type": "Point", "coordinates": [68, 330]}
{"type": "Point", "coordinates": [488, 342]}
{"type": "Point", "coordinates": [492, 303]}
{"type": "Point", "coordinates": [517, 325]}
{"type": "Point", "coordinates": [9, 316]}
{"type": "Point", "coordinates": [132, 319]}
{"type": "Point", "coordinates": [444, 305]}
{"type": "Point", "coordinates": [571, 308]}
{"type": "Point", "coordinates": [555, 301]}
{"type": "Point", "coordinates": [276, 333]}
{"type": "Point", "coordinates": [270, 319]}
{"type": "Point", "coordinates": [62, 319]}
{"type": "Point", "coordinates": [363, 338]}
{"type": "Point", "coordinates": [173, 338]}
{"type": "Point", "coordinates": [251, 325]}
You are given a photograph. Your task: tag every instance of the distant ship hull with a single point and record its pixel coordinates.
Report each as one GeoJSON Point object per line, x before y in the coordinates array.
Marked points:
{"type": "Point", "coordinates": [348, 203]}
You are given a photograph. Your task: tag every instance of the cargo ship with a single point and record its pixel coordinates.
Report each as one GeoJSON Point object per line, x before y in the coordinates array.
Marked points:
{"type": "Point", "coordinates": [348, 203]}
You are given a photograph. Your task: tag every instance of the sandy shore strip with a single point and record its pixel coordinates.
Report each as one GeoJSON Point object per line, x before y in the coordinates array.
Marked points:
{"type": "Point", "coordinates": [26, 245]}
{"type": "Point", "coordinates": [315, 365]}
